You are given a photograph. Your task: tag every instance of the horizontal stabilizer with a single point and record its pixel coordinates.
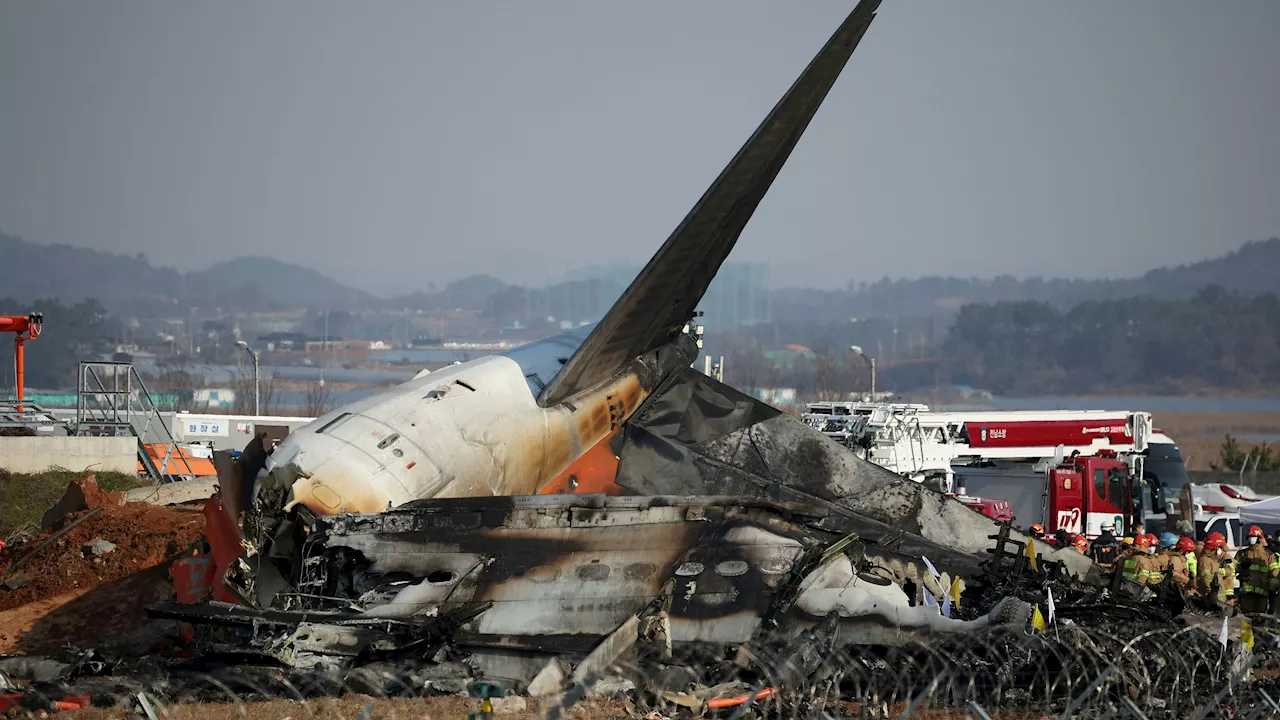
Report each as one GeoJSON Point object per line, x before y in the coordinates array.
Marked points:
{"type": "Point", "coordinates": [665, 294]}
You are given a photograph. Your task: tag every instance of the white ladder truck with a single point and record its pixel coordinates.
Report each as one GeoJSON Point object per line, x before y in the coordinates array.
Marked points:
{"type": "Point", "coordinates": [1024, 457]}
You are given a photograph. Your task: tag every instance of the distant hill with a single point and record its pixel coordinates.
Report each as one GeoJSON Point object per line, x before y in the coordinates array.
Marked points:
{"type": "Point", "coordinates": [132, 285]}
{"type": "Point", "coordinates": [60, 271]}
{"type": "Point", "coordinates": [1254, 269]}
{"type": "Point", "coordinates": [257, 280]}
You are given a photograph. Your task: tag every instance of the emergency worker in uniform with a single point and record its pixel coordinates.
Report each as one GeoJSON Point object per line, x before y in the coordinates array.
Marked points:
{"type": "Point", "coordinates": [1209, 569]}
{"type": "Point", "coordinates": [1257, 570]}
{"type": "Point", "coordinates": [1182, 563]}
{"type": "Point", "coordinates": [1139, 565]}
{"type": "Point", "coordinates": [1164, 556]}
{"type": "Point", "coordinates": [1106, 551]}
{"type": "Point", "coordinates": [1080, 544]}
{"type": "Point", "coordinates": [1037, 532]}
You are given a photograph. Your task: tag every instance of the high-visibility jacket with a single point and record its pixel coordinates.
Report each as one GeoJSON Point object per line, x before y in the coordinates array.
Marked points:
{"type": "Point", "coordinates": [1140, 568]}
{"type": "Point", "coordinates": [1182, 569]}
{"type": "Point", "coordinates": [1106, 554]}
{"type": "Point", "coordinates": [1161, 566]}
{"type": "Point", "coordinates": [1210, 566]}
{"type": "Point", "coordinates": [1257, 569]}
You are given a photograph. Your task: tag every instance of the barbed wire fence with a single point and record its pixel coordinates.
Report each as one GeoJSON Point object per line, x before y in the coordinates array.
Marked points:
{"type": "Point", "coordinates": [1068, 671]}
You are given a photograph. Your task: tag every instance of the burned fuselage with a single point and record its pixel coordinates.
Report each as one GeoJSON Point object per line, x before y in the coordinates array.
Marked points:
{"type": "Point", "coordinates": [564, 571]}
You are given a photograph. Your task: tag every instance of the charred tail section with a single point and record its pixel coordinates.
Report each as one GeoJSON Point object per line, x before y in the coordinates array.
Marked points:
{"type": "Point", "coordinates": [663, 297]}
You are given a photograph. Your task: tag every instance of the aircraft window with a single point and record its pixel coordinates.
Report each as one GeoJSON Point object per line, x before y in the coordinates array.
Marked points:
{"type": "Point", "coordinates": [1100, 482]}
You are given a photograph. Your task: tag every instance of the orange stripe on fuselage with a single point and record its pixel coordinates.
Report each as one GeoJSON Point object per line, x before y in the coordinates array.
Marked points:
{"type": "Point", "coordinates": [595, 472]}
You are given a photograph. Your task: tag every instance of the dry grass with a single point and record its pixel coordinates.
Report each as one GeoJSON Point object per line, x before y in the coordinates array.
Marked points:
{"type": "Point", "coordinates": [1217, 424]}
{"type": "Point", "coordinates": [25, 497]}
{"type": "Point", "coordinates": [1199, 435]}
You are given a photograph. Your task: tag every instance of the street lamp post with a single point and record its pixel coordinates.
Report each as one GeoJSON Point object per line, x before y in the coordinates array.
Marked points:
{"type": "Point", "coordinates": [254, 355]}
{"type": "Point", "coordinates": [871, 362]}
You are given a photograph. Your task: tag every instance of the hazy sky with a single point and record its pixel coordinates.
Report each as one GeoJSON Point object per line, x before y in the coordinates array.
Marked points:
{"type": "Point", "coordinates": [392, 143]}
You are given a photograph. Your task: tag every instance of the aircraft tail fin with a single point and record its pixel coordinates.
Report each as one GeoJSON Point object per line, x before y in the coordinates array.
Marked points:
{"type": "Point", "coordinates": [664, 296]}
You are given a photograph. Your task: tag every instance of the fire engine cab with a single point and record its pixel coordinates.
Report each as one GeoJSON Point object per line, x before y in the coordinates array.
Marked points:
{"type": "Point", "coordinates": [1087, 492]}
{"type": "Point", "coordinates": [1069, 470]}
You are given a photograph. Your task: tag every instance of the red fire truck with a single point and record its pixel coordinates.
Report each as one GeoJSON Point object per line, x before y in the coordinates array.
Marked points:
{"type": "Point", "coordinates": [1062, 469]}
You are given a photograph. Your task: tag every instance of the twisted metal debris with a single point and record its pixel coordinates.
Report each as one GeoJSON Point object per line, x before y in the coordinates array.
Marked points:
{"type": "Point", "coordinates": [1117, 670]}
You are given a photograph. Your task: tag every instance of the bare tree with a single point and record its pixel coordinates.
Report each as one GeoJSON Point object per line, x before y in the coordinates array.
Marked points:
{"type": "Point", "coordinates": [824, 365]}
{"type": "Point", "coordinates": [176, 386]}
{"type": "Point", "coordinates": [268, 395]}
{"type": "Point", "coordinates": [318, 398]}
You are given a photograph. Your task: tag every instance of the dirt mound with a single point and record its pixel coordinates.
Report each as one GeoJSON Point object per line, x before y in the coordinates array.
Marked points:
{"type": "Point", "coordinates": [82, 494]}
{"type": "Point", "coordinates": [143, 536]}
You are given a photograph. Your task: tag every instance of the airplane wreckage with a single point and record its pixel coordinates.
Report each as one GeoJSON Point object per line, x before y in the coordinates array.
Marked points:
{"type": "Point", "coordinates": [458, 508]}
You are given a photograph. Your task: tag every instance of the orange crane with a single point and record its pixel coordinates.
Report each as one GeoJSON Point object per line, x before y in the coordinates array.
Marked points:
{"type": "Point", "coordinates": [27, 328]}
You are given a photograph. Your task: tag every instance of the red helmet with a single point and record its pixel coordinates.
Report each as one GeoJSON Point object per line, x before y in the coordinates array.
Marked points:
{"type": "Point", "coordinates": [1255, 531]}
{"type": "Point", "coordinates": [1142, 541]}
{"type": "Point", "coordinates": [1153, 540]}
{"type": "Point", "coordinates": [1214, 541]}
{"type": "Point", "coordinates": [1185, 544]}
{"type": "Point", "coordinates": [1081, 543]}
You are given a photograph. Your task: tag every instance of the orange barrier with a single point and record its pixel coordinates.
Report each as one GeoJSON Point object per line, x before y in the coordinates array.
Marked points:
{"type": "Point", "coordinates": [200, 467]}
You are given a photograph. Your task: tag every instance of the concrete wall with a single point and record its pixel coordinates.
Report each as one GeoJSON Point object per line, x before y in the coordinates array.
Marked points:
{"type": "Point", "coordinates": [100, 454]}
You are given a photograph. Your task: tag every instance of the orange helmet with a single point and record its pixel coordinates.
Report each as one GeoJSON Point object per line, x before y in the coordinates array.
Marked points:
{"type": "Point", "coordinates": [1255, 531]}
{"type": "Point", "coordinates": [1081, 543]}
{"type": "Point", "coordinates": [1038, 530]}
{"type": "Point", "coordinates": [1214, 541]}
{"type": "Point", "coordinates": [1142, 541]}
{"type": "Point", "coordinates": [1185, 544]}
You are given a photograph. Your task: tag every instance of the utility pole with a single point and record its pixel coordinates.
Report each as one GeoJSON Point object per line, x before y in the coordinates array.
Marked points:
{"type": "Point", "coordinates": [871, 362]}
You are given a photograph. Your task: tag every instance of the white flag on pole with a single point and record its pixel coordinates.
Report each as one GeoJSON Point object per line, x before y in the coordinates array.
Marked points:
{"type": "Point", "coordinates": [1050, 603]}
{"type": "Point", "coordinates": [1222, 635]}
{"type": "Point", "coordinates": [929, 599]}
{"type": "Point", "coordinates": [932, 569]}
{"type": "Point", "coordinates": [946, 605]}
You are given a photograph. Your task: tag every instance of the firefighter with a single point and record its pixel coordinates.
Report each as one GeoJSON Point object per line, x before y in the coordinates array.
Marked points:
{"type": "Point", "coordinates": [1257, 570]}
{"type": "Point", "coordinates": [1182, 564]}
{"type": "Point", "coordinates": [1164, 557]}
{"type": "Point", "coordinates": [1037, 532]}
{"type": "Point", "coordinates": [1080, 544]}
{"type": "Point", "coordinates": [1139, 566]}
{"type": "Point", "coordinates": [1209, 569]}
{"type": "Point", "coordinates": [1105, 550]}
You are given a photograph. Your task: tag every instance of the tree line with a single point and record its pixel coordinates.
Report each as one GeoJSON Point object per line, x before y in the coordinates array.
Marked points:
{"type": "Point", "coordinates": [1216, 340]}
